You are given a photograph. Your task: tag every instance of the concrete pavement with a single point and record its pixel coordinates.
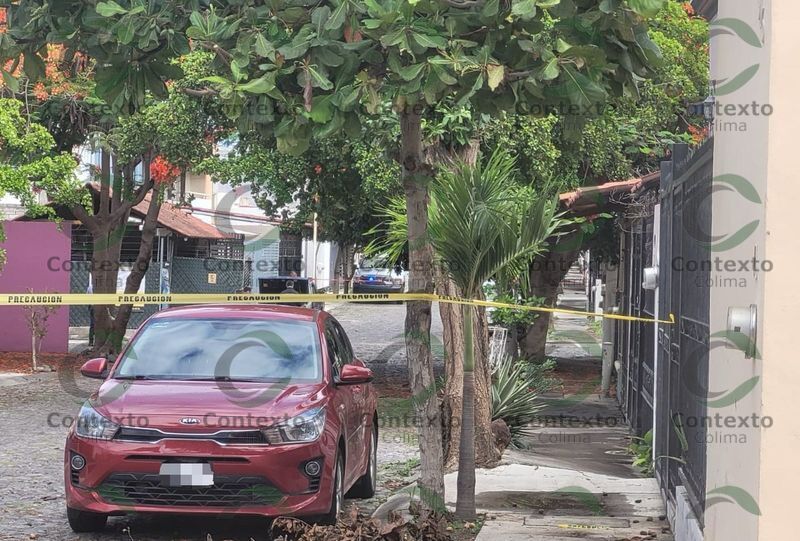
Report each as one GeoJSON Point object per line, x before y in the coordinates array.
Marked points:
{"type": "Point", "coordinates": [572, 476]}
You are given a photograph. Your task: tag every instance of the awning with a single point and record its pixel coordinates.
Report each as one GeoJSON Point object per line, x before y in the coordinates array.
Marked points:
{"type": "Point", "coordinates": [590, 200]}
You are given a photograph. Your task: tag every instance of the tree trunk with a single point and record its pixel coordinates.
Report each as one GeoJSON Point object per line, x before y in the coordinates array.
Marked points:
{"type": "Point", "coordinates": [349, 268]}
{"type": "Point", "coordinates": [139, 270]}
{"type": "Point", "coordinates": [465, 501]}
{"type": "Point", "coordinates": [546, 274]}
{"type": "Point", "coordinates": [453, 339]}
{"type": "Point", "coordinates": [416, 176]}
{"type": "Point", "coordinates": [107, 228]}
{"type": "Point", "coordinates": [486, 453]}
{"type": "Point", "coordinates": [336, 286]}
{"type": "Point", "coordinates": [106, 250]}
{"type": "Point", "coordinates": [33, 347]}
{"type": "Point", "coordinates": [344, 263]}
{"type": "Point", "coordinates": [107, 235]}
{"type": "Point", "coordinates": [512, 342]}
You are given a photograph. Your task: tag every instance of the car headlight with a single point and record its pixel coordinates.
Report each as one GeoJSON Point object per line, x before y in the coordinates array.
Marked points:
{"type": "Point", "coordinates": [91, 424]}
{"type": "Point", "coordinates": [307, 426]}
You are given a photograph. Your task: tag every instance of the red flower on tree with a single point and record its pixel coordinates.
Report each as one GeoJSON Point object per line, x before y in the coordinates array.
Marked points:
{"type": "Point", "coordinates": [162, 171]}
{"type": "Point", "coordinates": [698, 133]}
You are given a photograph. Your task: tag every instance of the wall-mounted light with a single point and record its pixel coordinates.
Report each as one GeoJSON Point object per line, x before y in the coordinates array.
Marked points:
{"type": "Point", "coordinates": [650, 278]}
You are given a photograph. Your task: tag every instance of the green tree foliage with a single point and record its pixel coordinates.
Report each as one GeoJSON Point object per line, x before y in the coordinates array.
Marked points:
{"type": "Point", "coordinates": [177, 129]}
{"type": "Point", "coordinates": [28, 163]}
{"type": "Point", "coordinates": [343, 181]}
{"type": "Point", "coordinates": [630, 136]}
{"type": "Point", "coordinates": [633, 136]}
{"type": "Point", "coordinates": [532, 140]}
{"type": "Point", "coordinates": [300, 68]}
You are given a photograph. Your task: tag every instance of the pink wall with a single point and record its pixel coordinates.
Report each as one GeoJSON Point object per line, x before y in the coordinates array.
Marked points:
{"type": "Point", "coordinates": [33, 250]}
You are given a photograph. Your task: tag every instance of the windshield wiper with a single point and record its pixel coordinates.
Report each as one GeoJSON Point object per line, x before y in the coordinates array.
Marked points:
{"type": "Point", "coordinates": [179, 378]}
{"type": "Point", "coordinates": [223, 378]}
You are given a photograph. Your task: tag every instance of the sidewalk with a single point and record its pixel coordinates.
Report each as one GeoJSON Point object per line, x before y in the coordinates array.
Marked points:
{"type": "Point", "coordinates": [572, 477]}
{"type": "Point", "coordinates": [79, 338]}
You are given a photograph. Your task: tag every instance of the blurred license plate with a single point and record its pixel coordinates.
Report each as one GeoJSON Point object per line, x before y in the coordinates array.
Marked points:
{"type": "Point", "coordinates": [186, 475]}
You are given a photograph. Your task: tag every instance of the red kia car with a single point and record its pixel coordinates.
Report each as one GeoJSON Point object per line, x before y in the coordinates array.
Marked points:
{"type": "Point", "coordinates": [257, 410]}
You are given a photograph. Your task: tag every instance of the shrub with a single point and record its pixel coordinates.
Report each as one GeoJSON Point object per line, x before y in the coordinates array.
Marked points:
{"type": "Point", "coordinates": [516, 386]}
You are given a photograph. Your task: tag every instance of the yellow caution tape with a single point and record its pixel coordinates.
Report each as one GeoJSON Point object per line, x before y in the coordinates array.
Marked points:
{"type": "Point", "coordinates": [70, 299]}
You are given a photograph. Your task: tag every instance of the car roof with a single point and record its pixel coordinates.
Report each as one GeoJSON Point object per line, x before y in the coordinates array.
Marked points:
{"type": "Point", "coordinates": [239, 311]}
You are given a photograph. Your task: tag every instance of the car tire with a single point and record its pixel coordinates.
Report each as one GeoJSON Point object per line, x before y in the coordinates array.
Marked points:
{"type": "Point", "coordinates": [85, 521]}
{"type": "Point", "coordinates": [366, 484]}
{"type": "Point", "coordinates": [337, 497]}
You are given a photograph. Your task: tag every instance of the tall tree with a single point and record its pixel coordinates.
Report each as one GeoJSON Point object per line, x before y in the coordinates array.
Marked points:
{"type": "Point", "coordinates": [479, 227]}
{"type": "Point", "coordinates": [339, 181]}
{"type": "Point", "coordinates": [299, 70]}
{"type": "Point", "coordinates": [29, 163]}
{"type": "Point", "coordinates": [629, 139]}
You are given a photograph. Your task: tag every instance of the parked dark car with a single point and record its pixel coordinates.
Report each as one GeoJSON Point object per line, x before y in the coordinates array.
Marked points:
{"type": "Point", "coordinates": [378, 275]}
{"type": "Point", "coordinates": [236, 409]}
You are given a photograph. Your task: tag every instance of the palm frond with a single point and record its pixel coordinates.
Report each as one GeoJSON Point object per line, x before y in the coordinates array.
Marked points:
{"type": "Point", "coordinates": [480, 226]}
{"type": "Point", "coordinates": [390, 236]}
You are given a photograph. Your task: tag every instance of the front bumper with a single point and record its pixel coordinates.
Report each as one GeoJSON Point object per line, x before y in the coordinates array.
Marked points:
{"type": "Point", "coordinates": [123, 477]}
{"type": "Point", "coordinates": [377, 287]}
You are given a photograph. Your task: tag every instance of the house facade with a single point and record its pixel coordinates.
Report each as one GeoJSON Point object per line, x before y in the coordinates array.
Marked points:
{"type": "Point", "coordinates": [719, 252]}
{"type": "Point", "coordinates": [269, 249]}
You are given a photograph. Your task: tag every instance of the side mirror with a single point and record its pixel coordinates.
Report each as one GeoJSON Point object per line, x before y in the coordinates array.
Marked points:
{"type": "Point", "coordinates": [353, 374]}
{"type": "Point", "coordinates": [95, 368]}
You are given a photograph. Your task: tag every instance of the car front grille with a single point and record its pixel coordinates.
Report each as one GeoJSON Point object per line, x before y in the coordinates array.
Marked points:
{"type": "Point", "coordinates": [225, 437]}
{"type": "Point", "coordinates": [227, 491]}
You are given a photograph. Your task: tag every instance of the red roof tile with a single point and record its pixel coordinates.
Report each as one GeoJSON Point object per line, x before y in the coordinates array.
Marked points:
{"type": "Point", "coordinates": [180, 221]}
{"type": "Point", "coordinates": [174, 218]}
{"type": "Point", "coordinates": [589, 199]}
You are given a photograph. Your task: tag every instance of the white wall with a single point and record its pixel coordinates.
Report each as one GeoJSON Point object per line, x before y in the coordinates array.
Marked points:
{"type": "Point", "coordinates": [741, 152]}
{"type": "Point", "coordinates": [780, 444]}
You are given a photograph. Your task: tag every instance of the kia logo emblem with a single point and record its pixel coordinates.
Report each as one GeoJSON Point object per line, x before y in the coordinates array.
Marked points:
{"type": "Point", "coordinates": [190, 421]}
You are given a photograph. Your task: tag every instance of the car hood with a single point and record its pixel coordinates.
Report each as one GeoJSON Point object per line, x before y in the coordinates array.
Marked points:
{"type": "Point", "coordinates": [216, 405]}
{"type": "Point", "coordinates": [379, 272]}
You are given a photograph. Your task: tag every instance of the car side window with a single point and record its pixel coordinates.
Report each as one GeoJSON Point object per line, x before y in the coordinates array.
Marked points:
{"type": "Point", "coordinates": [334, 353]}
{"type": "Point", "coordinates": [345, 349]}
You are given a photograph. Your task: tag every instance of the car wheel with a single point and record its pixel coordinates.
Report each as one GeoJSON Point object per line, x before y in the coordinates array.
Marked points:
{"type": "Point", "coordinates": [84, 521]}
{"type": "Point", "coordinates": [366, 484]}
{"type": "Point", "coordinates": [337, 498]}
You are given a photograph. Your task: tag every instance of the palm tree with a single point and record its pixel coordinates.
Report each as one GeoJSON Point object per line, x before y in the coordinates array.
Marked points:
{"type": "Point", "coordinates": [480, 225]}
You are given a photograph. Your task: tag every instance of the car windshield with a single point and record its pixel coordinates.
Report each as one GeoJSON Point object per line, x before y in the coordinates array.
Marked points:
{"type": "Point", "coordinates": [223, 350]}
{"type": "Point", "coordinates": [375, 263]}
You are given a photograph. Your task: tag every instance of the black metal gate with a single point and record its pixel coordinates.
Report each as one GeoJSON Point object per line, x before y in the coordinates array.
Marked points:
{"type": "Point", "coordinates": [640, 345]}
{"type": "Point", "coordinates": [686, 184]}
